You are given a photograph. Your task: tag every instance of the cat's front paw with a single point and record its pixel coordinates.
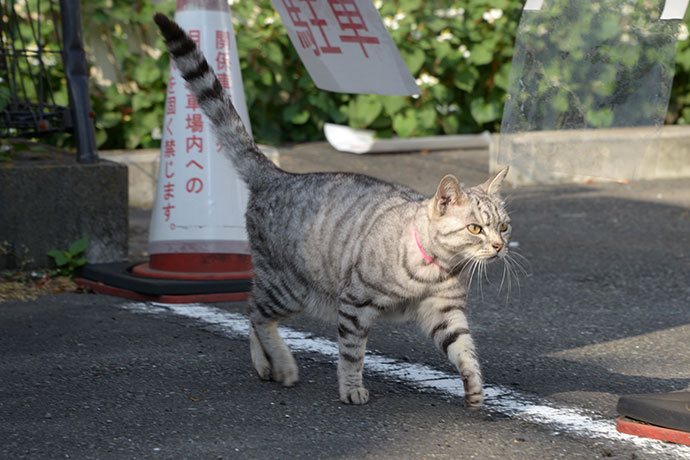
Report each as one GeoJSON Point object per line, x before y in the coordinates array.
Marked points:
{"type": "Point", "coordinates": [474, 401]}
{"type": "Point", "coordinates": [357, 396]}
{"type": "Point", "coordinates": [474, 393]}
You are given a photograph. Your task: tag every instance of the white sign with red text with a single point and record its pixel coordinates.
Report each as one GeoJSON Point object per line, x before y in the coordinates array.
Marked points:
{"type": "Point", "coordinates": [345, 46]}
{"type": "Point", "coordinates": [200, 199]}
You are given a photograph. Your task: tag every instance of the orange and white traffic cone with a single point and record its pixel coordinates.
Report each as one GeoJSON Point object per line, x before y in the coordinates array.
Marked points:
{"type": "Point", "coordinates": [198, 244]}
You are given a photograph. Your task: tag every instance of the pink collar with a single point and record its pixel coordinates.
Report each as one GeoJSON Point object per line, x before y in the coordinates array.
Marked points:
{"type": "Point", "coordinates": [424, 254]}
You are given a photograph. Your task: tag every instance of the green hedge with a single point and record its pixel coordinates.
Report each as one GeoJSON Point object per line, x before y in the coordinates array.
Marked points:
{"type": "Point", "coordinates": [459, 52]}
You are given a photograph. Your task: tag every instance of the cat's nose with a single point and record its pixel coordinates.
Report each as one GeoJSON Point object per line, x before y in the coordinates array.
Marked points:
{"type": "Point", "coordinates": [498, 246]}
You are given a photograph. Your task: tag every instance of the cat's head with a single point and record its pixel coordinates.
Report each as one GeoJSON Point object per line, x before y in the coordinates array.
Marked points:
{"type": "Point", "coordinates": [470, 224]}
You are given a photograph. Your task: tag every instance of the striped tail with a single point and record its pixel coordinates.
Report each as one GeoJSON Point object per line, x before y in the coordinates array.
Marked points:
{"type": "Point", "coordinates": [251, 164]}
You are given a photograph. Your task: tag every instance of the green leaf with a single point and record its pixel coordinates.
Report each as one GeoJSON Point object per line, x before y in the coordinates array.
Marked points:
{"type": "Point", "coordinates": [609, 26]}
{"type": "Point", "coordinates": [414, 60]}
{"type": "Point", "coordinates": [450, 124]}
{"type": "Point", "coordinates": [296, 114]}
{"type": "Point", "coordinates": [409, 5]}
{"type": "Point", "coordinates": [273, 53]}
{"type": "Point", "coordinates": [405, 124]}
{"type": "Point", "coordinates": [683, 59]}
{"type": "Point", "coordinates": [484, 112]}
{"type": "Point", "coordinates": [79, 262]}
{"type": "Point", "coordinates": [481, 54]}
{"type": "Point", "coordinates": [560, 102]}
{"type": "Point", "coordinates": [426, 117]}
{"type": "Point", "coordinates": [393, 104]}
{"type": "Point", "coordinates": [502, 77]}
{"type": "Point", "coordinates": [79, 246]}
{"type": "Point", "coordinates": [600, 118]}
{"type": "Point", "coordinates": [363, 110]}
{"type": "Point", "coordinates": [146, 72]}
{"type": "Point", "coordinates": [267, 78]}
{"type": "Point", "coordinates": [140, 101]}
{"type": "Point", "coordinates": [109, 119]}
{"type": "Point", "coordinates": [300, 117]}
{"type": "Point", "coordinates": [20, 146]}
{"type": "Point", "coordinates": [442, 93]}
{"type": "Point", "coordinates": [61, 257]}
{"type": "Point", "coordinates": [466, 78]}
{"type": "Point", "coordinates": [442, 49]}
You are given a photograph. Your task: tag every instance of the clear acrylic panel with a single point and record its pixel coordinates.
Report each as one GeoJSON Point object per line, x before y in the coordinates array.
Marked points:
{"type": "Point", "coordinates": [580, 67]}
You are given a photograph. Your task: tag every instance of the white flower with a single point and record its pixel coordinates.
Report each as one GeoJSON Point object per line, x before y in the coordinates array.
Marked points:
{"type": "Point", "coordinates": [492, 15]}
{"type": "Point", "coordinates": [391, 23]}
{"type": "Point", "coordinates": [449, 13]}
{"type": "Point", "coordinates": [378, 4]}
{"type": "Point", "coordinates": [426, 79]}
{"type": "Point", "coordinates": [682, 33]}
{"type": "Point", "coordinates": [627, 10]}
{"type": "Point", "coordinates": [455, 12]}
{"type": "Point", "coordinates": [416, 34]}
{"type": "Point", "coordinates": [399, 16]}
{"type": "Point", "coordinates": [445, 109]}
{"type": "Point", "coordinates": [154, 52]}
{"type": "Point", "coordinates": [269, 20]}
{"type": "Point", "coordinates": [156, 133]}
{"type": "Point", "coordinates": [444, 36]}
{"type": "Point", "coordinates": [96, 73]}
{"type": "Point", "coordinates": [625, 38]}
{"type": "Point", "coordinates": [464, 51]}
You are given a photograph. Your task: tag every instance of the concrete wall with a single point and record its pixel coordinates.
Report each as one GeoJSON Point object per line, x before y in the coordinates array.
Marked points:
{"type": "Point", "coordinates": [49, 201]}
{"type": "Point", "coordinates": [551, 157]}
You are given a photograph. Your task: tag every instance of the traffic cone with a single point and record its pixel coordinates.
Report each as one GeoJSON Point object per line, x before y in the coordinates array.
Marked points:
{"type": "Point", "coordinates": [662, 416]}
{"type": "Point", "coordinates": [198, 245]}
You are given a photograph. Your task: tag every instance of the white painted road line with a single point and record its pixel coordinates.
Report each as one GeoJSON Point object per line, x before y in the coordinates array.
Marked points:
{"type": "Point", "coordinates": [498, 399]}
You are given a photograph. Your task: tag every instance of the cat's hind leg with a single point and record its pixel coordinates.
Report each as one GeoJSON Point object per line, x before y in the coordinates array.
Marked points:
{"type": "Point", "coordinates": [271, 357]}
{"type": "Point", "coordinates": [259, 359]}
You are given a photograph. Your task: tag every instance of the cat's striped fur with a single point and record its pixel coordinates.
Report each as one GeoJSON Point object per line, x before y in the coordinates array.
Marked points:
{"type": "Point", "coordinates": [350, 247]}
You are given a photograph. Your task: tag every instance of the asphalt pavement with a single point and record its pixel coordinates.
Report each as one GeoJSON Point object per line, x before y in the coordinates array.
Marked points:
{"type": "Point", "coordinates": [602, 310]}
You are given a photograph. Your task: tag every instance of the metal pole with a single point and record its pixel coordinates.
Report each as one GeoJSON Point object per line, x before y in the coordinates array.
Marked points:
{"type": "Point", "coordinates": [77, 75]}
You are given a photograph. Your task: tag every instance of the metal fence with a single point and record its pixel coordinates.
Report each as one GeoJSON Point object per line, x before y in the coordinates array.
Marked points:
{"type": "Point", "coordinates": [30, 107]}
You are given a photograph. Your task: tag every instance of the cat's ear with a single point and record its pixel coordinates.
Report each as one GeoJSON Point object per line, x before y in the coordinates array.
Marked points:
{"type": "Point", "coordinates": [493, 185]}
{"type": "Point", "coordinates": [447, 194]}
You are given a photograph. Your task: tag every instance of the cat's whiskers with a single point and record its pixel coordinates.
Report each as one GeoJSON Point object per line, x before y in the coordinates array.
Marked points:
{"type": "Point", "coordinates": [513, 268]}
{"type": "Point", "coordinates": [462, 262]}
{"type": "Point", "coordinates": [478, 270]}
{"type": "Point", "coordinates": [506, 270]}
{"type": "Point", "coordinates": [519, 259]}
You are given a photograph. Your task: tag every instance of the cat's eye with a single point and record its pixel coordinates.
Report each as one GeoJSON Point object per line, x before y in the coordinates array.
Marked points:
{"type": "Point", "coordinates": [503, 227]}
{"type": "Point", "coordinates": [474, 229]}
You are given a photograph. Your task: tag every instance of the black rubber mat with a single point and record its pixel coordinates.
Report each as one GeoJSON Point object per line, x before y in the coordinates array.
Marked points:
{"type": "Point", "coordinates": [119, 274]}
{"type": "Point", "coordinates": [669, 410]}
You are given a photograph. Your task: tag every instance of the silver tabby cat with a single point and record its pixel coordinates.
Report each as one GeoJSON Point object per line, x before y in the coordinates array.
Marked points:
{"type": "Point", "coordinates": [351, 248]}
